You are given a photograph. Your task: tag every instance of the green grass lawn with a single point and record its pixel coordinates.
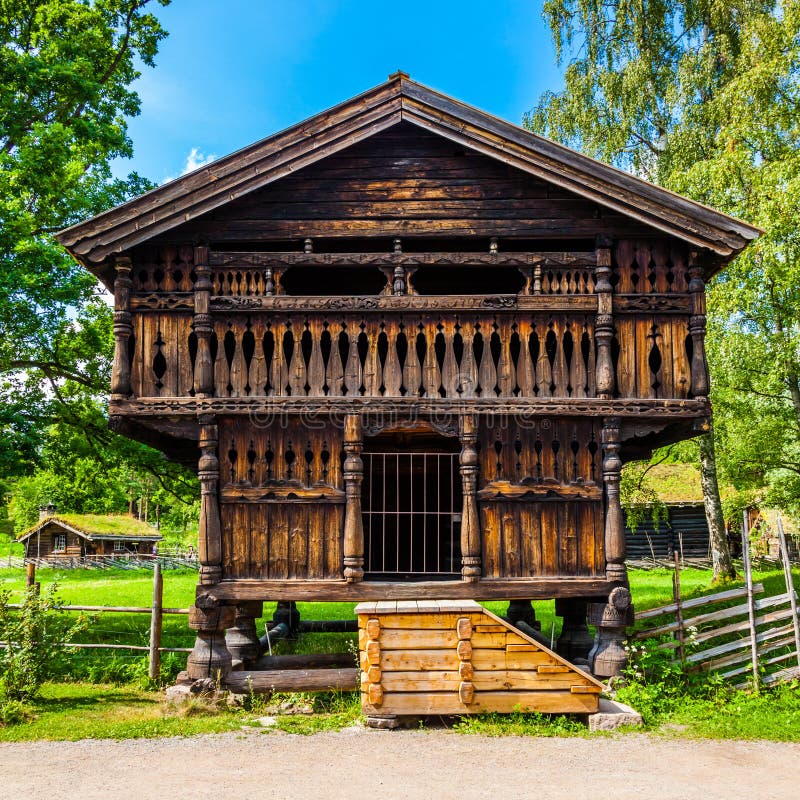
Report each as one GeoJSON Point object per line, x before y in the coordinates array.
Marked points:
{"type": "Point", "coordinates": [134, 588]}
{"type": "Point", "coordinates": [119, 709]}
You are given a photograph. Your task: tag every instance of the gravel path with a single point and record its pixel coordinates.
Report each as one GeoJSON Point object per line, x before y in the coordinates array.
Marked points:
{"type": "Point", "coordinates": [408, 765]}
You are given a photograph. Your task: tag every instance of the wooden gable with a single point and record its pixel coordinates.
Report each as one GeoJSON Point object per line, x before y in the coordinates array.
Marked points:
{"type": "Point", "coordinates": [406, 181]}
{"type": "Point", "coordinates": [399, 101]}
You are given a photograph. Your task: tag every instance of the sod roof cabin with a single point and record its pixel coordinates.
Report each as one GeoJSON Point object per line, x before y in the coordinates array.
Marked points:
{"type": "Point", "coordinates": [407, 346]}
{"type": "Point", "coordinates": [79, 535]}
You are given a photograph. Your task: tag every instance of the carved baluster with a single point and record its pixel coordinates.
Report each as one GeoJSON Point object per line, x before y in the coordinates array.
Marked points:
{"type": "Point", "coordinates": [697, 328]}
{"type": "Point", "coordinates": [506, 380]}
{"type": "Point", "coordinates": [614, 530]}
{"type": "Point", "coordinates": [544, 374]}
{"type": "Point", "coordinates": [449, 365]}
{"type": "Point", "coordinates": [238, 377]}
{"type": "Point", "coordinates": [297, 366]}
{"type": "Point", "coordinates": [487, 373]}
{"type": "Point", "coordinates": [660, 258]}
{"type": "Point", "coordinates": [560, 372]}
{"type": "Point", "coordinates": [577, 379]}
{"type": "Point", "coordinates": [470, 519]}
{"type": "Point", "coordinates": [221, 368]}
{"type": "Point", "coordinates": [210, 534]}
{"type": "Point", "coordinates": [412, 371]}
{"type": "Point", "coordinates": [431, 374]}
{"type": "Point", "coordinates": [467, 369]}
{"type": "Point", "coordinates": [257, 376]}
{"type": "Point", "coordinates": [392, 374]}
{"type": "Point", "coordinates": [316, 365]}
{"type": "Point", "coordinates": [525, 377]}
{"type": "Point", "coordinates": [537, 278]}
{"type": "Point", "coordinates": [277, 368]}
{"type": "Point", "coordinates": [353, 521]}
{"type": "Point", "coordinates": [352, 370]}
{"type": "Point", "coordinates": [604, 323]}
{"type": "Point", "coordinates": [334, 374]}
{"type": "Point", "coordinates": [372, 364]}
{"type": "Point", "coordinates": [121, 371]}
{"type": "Point", "coordinates": [678, 258]}
{"type": "Point", "coordinates": [625, 270]}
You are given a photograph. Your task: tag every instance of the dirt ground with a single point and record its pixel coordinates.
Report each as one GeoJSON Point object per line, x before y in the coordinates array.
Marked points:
{"type": "Point", "coordinates": [408, 765]}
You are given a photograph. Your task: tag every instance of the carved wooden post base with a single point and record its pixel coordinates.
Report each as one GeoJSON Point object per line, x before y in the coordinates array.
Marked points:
{"type": "Point", "coordinates": [608, 657]}
{"type": "Point", "coordinates": [287, 613]}
{"type": "Point", "coordinates": [522, 611]}
{"type": "Point", "coordinates": [242, 639]}
{"type": "Point", "coordinates": [210, 657]}
{"type": "Point", "coordinates": [575, 640]}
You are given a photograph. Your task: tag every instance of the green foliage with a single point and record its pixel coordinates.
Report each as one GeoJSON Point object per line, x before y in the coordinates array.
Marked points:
{"type": "Point", "coordinates": [66, 68]}
{"type": "Point", "coordinates": [519, 723]}
{"type": "Point", "coordinates": [703, 97]}
{"type": "Point", "coordinates": [34, 638]}
{"type": "Point", "coordinates": [640, 498]}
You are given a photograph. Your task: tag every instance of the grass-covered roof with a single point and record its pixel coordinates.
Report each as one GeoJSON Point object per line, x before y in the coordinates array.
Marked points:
{"type": "Point", "coordinates": [100, 526]}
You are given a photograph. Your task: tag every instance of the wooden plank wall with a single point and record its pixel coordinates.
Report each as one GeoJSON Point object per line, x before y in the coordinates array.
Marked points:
{"type": "Point", "coordinates": [540, 498]}
{"type": "Point", "coordinates": [282, 500]}
{"type": "Point", "coordinates": [407, 182]}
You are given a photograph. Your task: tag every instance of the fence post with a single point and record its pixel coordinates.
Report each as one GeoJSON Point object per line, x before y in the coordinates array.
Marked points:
{"type": "Point", "coordinates": [155, 623]}
{"type": "Point", "coordinates": [787, 574]}
{"type": "Point", "coordinates": [751, 611]}
{"type": "Point", "coordinates": [676, 592]}
{"type": "Point", "coordinates": [30, 574]}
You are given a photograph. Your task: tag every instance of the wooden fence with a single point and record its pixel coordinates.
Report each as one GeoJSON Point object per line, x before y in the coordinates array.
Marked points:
{"type": "Point", "coordinates": [758, 635]}
{"type": "Point", "coordinates": [126, 561]}
{"type": "Point", "coordinates": [156, 611]}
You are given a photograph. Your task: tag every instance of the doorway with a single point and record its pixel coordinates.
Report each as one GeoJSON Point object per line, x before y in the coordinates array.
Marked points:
{"type": "Point", "coordinates": [411, 502]}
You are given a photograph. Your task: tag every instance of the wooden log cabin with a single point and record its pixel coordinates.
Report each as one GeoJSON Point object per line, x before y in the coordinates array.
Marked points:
{"type": "Point", "coordinates": [407, 348]}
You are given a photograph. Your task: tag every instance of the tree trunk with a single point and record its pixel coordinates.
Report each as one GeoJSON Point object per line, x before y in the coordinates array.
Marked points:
{"type": "Point", "coordinates": [720, 553]}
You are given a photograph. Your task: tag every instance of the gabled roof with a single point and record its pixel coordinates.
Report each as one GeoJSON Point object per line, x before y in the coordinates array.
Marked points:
{"type": "Point", "coordinates": [400, 99]}
{"type": "Point", "coordinates": [97, 527]}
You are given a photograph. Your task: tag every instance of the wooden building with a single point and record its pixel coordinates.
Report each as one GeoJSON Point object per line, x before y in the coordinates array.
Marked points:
{"type": "Point", "coordinates": [407, 347]}
{"type": "Point", "coordinates": [64, 536]}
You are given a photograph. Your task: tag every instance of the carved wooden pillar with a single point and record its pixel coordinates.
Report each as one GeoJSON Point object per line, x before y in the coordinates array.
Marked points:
{"type": "Point", "coordinates": [615, 530]}
{"type": "Point", "coordinates": [121, 370]}
{"type": "Point", "coordinates": [210, 657]}
{"type": "Point", "coordinates": [608, 657]}
{"type": "Point", "coordinates": [575, 640]}
{"type": "Point", "coordinates": [203, 366]}
{"type": "Point", "coordinates": [604, 323]}
{"type": "Point", "coordinates": [697, 328]}
{"type": "Point", "coordinates": [353, 520]}
{"type": "Point", "coordinates": [470, 521]}
{"type": "Point", "coordinates": [210, 535]}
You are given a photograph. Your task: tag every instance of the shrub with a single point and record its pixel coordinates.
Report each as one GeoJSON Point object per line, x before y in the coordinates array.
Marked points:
{"type": "Point", "coordinates": [34, 636]}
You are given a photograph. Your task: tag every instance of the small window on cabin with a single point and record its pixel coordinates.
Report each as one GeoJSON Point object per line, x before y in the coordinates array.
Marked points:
{"type": "Point", "coordinates": [333, 280]}
{"type": "Point", "coordinates": [60, 542]}
{"type": "Point", "coordinates": [119, 546]}
{"type": "Point", "coordinates": [432, 279]}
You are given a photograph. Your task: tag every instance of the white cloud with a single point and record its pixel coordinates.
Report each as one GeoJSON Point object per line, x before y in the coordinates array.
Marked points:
{"type": "Point", "coordinates": [197, 158]}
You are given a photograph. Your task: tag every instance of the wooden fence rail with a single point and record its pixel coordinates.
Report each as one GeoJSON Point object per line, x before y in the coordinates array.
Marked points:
{"type": "Point", "coordinates": [758, 635]}
{"type": "Point", "coordinates": [156, 612]}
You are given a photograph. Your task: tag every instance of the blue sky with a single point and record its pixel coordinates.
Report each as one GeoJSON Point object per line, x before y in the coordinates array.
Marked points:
{"type": "Point", "coordinates": [235, 71]}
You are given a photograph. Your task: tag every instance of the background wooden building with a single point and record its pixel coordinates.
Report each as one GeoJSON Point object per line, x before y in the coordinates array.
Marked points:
{"type": "Point", "coordinates": [57, 536]}
{"type": "Point", "coordinates": [408, 346]}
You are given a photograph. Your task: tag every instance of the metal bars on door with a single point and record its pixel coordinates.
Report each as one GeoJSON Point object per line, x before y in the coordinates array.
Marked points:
{"type": "Point", "coordinates": [412, 514]}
